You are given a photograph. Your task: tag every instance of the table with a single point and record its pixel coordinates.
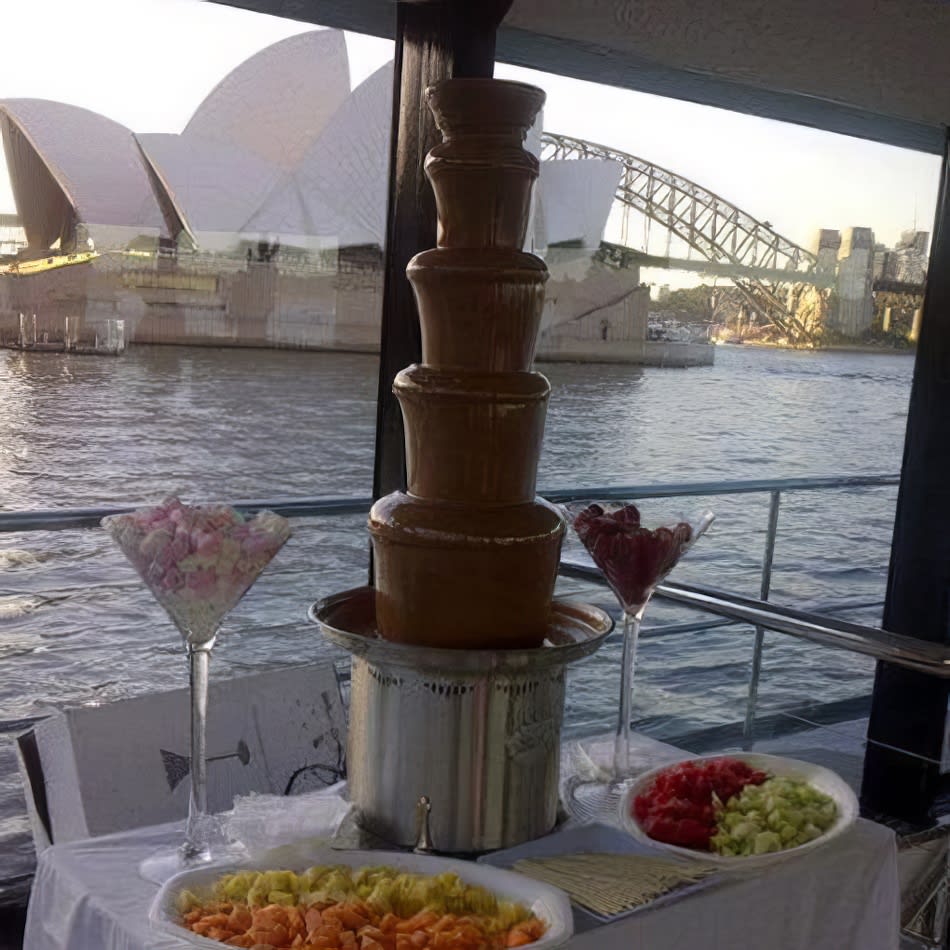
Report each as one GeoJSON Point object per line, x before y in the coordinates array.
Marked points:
{"type": "Point", "coordinates": [87, 895]}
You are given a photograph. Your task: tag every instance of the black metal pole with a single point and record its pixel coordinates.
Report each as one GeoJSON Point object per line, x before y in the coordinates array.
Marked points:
{"type": "Point", "coordinates": [435, 40]}
{"type": "Point", "coordinates": [909, 710]}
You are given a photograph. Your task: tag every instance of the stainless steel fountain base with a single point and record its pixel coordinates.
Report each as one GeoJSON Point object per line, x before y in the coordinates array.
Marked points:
{"type": "Point", "coordinates": [476, 731]}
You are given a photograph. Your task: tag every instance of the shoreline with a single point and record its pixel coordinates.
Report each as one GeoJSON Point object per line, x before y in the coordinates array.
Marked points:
{"type": "Point", "coordinates": [872, 348]}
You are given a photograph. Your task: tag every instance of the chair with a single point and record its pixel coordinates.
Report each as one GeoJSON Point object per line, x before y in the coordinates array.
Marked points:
{"type": "Point", "coordinates": [94, 770]}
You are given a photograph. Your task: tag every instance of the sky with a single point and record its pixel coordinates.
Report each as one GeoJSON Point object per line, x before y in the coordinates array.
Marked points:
{"type": "Point", "coordinates": [149, 63]}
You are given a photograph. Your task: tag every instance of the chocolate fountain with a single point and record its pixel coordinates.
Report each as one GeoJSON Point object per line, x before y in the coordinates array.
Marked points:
{"type": "Point", "coordinates": [469, 540]}
{"type": "Point", "coordinates": [460, 650]}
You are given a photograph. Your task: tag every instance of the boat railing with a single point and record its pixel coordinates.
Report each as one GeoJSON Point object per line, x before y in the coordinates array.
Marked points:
{"type": "Point", "coordinates": [818, 625]}
{"type": "Point", "coordinates": [731, 608]}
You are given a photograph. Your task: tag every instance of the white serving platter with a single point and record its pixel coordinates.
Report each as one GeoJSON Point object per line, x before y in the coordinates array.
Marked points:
{"type": "Point", "coordinates": [817, 776]}
{"type": "Point", "coordinates": [547, 903]}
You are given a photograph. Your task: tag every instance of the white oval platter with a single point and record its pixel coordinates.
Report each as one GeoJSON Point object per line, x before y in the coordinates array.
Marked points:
{"type": "Point", "coordinates": [815, 775]}
{"type": "Point", "coordinates": [548, 903]}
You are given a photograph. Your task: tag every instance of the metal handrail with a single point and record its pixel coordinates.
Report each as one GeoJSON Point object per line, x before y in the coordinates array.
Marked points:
{"type": "Point", "coordinates": [72, 518]}
{"type": "Point", "coordinates": [920, 655]}
{"type": "Point", "coordinates": [64, 519]}
{"type": "Point", "coordinates": [751, 486]}
{"type": "Point", "coordinates": [59, 519]}
{"type": "Point", "coordinates": [775, 487]}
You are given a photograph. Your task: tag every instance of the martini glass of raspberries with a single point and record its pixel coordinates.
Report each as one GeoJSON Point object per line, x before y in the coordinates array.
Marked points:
{"type": "Point", "coordinates": [634, 559]}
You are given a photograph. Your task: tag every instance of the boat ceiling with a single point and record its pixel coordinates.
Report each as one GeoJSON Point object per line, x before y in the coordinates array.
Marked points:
{"type": "Point", "coordinates": [875, 70]}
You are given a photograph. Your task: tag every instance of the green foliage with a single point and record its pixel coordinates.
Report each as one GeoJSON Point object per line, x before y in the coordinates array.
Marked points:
{"type": "Point", "coordinates": [702, 304]}
{"type": "Point", "coordinates": [897, 335]}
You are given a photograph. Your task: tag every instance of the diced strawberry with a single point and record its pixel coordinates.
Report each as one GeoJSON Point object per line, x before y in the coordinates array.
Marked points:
{"type": "Point", "coordinates": [679, 807]}
{"type": "Point", "coordinates": [686, 833]}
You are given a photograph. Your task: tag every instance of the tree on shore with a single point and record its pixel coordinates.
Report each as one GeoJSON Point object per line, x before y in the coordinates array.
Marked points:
{"type": "Point", "coordinates": [703, 304]}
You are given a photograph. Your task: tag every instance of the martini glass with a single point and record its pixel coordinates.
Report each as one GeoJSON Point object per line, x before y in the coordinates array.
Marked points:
{"type": "Point", "coordinates": [198, 562]}
{"type": "Point", "coordinates": [634, 559]}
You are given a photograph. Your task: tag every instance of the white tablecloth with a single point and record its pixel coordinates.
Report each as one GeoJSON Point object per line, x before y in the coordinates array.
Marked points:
{"type": "Point", "coordinates": [88, 896]}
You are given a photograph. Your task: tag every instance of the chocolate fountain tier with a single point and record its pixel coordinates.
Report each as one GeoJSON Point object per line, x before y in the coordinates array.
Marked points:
{"type": "Point", "coordinates": [459, 577]}
{"type": "Point", "coordinates": [478, 311]}
{"type": "Point", "coordinates": [481, 174]}
{"type": "Point", "coordinates": [477, 731]}
{"type": "Point", "coordinates": [468, 559]}
{"type": "Point", "coordinates": [472, 438]}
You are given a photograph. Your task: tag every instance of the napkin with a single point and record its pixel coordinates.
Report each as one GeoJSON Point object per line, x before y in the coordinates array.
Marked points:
{"type": "Point", "coordinates": [260, 822]}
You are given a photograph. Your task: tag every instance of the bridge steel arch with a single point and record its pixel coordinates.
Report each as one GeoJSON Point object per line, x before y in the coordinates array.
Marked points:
{"type": "Point", "coordinates": [714, 227]}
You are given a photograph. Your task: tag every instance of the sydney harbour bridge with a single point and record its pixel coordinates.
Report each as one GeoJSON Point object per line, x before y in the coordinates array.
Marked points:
{"type": "Point", "coordinates": [759, 261]}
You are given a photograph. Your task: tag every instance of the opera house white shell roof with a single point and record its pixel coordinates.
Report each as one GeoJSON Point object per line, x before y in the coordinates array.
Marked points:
{"type": "Point", "coordinates": [276, 103]}
{"type": "Point", "coordinates": [574, 200]}
{"type": "Point", "coordinates": [214, 187]}
{"type": "Point", "coordinates": [338, 190]}
{"type": "Point", "coordinates": [69, 165]}
{"type": "Point", "coordinates": [281, 149]}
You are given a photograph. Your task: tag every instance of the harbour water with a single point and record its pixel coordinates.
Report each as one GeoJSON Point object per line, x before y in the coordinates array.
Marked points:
{"type": "Point", "coordinates": [76, 625]}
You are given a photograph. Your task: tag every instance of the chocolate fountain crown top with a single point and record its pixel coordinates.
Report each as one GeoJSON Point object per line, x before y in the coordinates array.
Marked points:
{"type": "Point", "coordinates": [481, 174]}
{"type": "Point", "coordinates": [484, 107]}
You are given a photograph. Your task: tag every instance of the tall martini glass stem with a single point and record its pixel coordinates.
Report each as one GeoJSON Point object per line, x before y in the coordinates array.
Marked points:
{"type": "Point", "coordinates": [631, 637]}
{"type": "Point", "coordinates": [198, 562]}
{"type": "Point", "coordinates": [632, 618]}
{"type": "Point", "coordinates": [633, 559]}
{"type": "Point", "coordinates": [197, 845]}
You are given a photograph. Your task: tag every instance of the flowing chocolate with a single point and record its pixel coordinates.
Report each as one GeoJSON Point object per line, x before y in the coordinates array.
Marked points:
{"type": "Point", "coordinates": [468, 557]}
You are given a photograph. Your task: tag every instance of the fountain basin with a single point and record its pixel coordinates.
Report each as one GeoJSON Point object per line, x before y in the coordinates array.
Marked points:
{"type": "Point", "coordinates": [477, 731]}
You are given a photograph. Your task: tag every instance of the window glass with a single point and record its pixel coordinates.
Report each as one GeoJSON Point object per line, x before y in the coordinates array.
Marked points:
{"type": "Point", "coordinates": [192, 207]}
{"type": "Point", "coordinates": [190, 285]}
{"type": "Point", "coordinates": [731, 299]}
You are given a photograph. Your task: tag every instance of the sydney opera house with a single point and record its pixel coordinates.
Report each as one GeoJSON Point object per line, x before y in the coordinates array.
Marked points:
{"type": "Point", "coordinates": [262, 222]}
